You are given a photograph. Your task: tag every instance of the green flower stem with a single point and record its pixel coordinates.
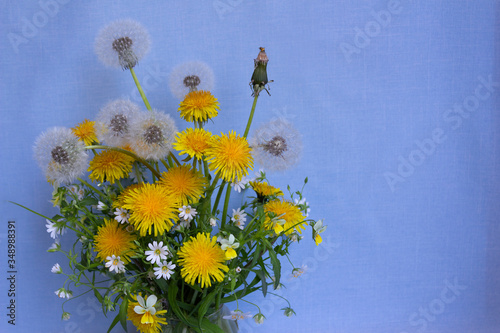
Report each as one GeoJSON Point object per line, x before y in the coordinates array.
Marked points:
{"type": "Point", "coordinates": [93, 188]}
{"type": "Point", "coordinates": [129, 153]}
{"type": "Point", "coordinates": [244, 300]}
{"type": "Point", "coordinates": [165, 164]}
{"type": "Point", "coordinates": [219, 194]}
{"type": "Point", "coordinates": [289, 305]}
{"type": "Point", "coordinates": [119, 185]}
{"type": "Point", "coordinates": [226, 204]}
{"type": "Point", "coordinates": [250, 118]}
{"type": "Point", "coordinates": [140, 89]}
{"type": "Point", "coordinates": [195, 294]}
{"type": "Point", "coordinates": [291, 263]}
{"type": "Point", "coordinates": [174, 158]}
{"type": "Point", "coordinates": [138, 174]}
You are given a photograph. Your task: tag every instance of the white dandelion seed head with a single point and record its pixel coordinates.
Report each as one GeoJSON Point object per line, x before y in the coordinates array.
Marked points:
{"type": "Point", "coordinates": [122, 43]}
{"type": "Point", "coordinates": [152, 135]}
{"type": "Point", "coordinates": [60, 155]}
{"type": "Point", "coordinates": [113, 122]}
{"type": "Point", "coordinates": [277, 145]}
{"type": "Point", "coordinates": [190, 76]}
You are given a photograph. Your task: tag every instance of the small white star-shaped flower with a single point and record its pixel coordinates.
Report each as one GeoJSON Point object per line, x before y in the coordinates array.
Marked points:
{"type": "Point", "coordinates": [114, 263]}
{"type": "Point", "coordinates": [187, 213]}
{"type": "Point", "coordinates": [164, 270]}
{"type": "Point", "coordinates": [122, 215]}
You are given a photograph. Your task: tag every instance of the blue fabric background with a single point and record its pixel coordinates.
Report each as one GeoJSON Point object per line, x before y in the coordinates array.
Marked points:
{"type": "Point", "coordinates": [398, 105]}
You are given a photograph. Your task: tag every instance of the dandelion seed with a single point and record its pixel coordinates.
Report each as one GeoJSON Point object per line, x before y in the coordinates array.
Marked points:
{"type": "Point", "coordinates": [113, 122]}
{"type": "Point", "coordinates": [277, 145]}
{"type": "Point", "coordinates": [152, 135]}
{"type": "Point", "coordinates": [191, 76]}
{"type": "Point", "coordinates": [61, 155]}
{"type": "Point", "coordinates": [122, 44]}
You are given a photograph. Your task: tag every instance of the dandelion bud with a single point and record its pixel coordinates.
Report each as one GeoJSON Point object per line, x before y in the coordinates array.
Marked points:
{"type": "Point", "coordinates": [259, 76]}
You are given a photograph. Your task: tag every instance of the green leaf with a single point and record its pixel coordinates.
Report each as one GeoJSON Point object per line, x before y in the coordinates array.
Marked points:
{"type": "Point", "coordinates": [276, 267]}
{"type": "Point", "coordinates": [123, 313]}
{"type": "Point", "coordinates": [262, 277]}
{"type": "Point", "coordinates": [121, 316]}
{"type": "Point", "coordinates": [98, 295]}
{"type": "Point", "coordinates": [205, 304]}
{"type": "Point", "coordinates": [172, 300]}
{"type": "Point", "coordinates": [114, 322]}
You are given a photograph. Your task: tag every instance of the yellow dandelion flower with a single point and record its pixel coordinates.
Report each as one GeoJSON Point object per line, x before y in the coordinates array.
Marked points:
{"type": "Point", "coordinates": [193, 142]}
{"type": "Point", "coordinates": [151, 207]}
{"type": "Point", "coordinates": [264, 189]}
{"type": "Point", "coordinates": [111, 239]}
{"type": "Point", "coordinates": [202, 259]}
{"type": "Point", "coordinates": [85, 131]}
{"type": "Point", "coordinates": [186, 185]}
{"type": "Point", "coordinates": [155, 321]}
{"type": "Point", "coordinates": [110, 165]}
{"type": "Point", "coordinates": [120, 199]}
{"type": "Point", "coordinates": [199, 106]}
{"type": "Point", "coordinates": [285, 210]}
{"type": "Point", "coordinates": [230, 156]}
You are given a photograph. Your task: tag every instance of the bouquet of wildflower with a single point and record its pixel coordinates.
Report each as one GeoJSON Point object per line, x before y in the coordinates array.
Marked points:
{"type": "Point", "coordinates": [153, 214]}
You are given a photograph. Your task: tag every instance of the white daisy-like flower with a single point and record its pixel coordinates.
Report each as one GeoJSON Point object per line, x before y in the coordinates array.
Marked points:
{"type": "Point", "coordinates": [295, 237]}
{"type": "Point", "coordinates": [164, 270]}
{"type": "Point", "coordinates": [113, 122]}
{"type": "Point", "coordinates": [303, 205]}
{"type": "Point", "coordinates": [56, 246]}
{"type": "Point", "coordinates": [237, 315]}
{"type": "Point", "coordinates": [55, 228]}
{"type": "Point", "coordinates": [297, 272]}
{"type": "Point", "coordinates": [60, 155]}
{"type": "Point", "coordinates": [146, 308]}
{"type": "Point", "coordinates": [122, 215]}
{"type": "Point", "coordinates": [259, 318]}
{"type": "Point", "coordinates": [191, 76]}
{"type": "Point", "coordinates": [239, 218]}
{"type": "Point", "coordinates": [122, 44]}
{"type": "Point", "coordinates": [184, 224]}
{"type": "Point", "coordinates": [259, 175]}
{"type": "Point", "coordinates": [240, 185]}
{"type": "Point", "coordinates": [56, 269]}
{"type": "Point", "coordinates": [157, 253]}
{"type": "Point", "coordinates": [78, 192]}
{"type": "Point", "coordinates": [187, 213]}
{"type": "Point", "coordinates": [114, 263]}
{"type": "Point", "coordinates": [63, 293]}
{"type": "Point", "coordinates": [288, 312]}
{"type": "Point", "coordinates": [101, 206]}
{"type": "Point", "coordinates": [213, 222]}
{"type": "Point", "coordinates": [238, 269]}
{"type": "Point", "coordinates": [152, 135]}
{"type": "Point", "coordinates": [277, 145]}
